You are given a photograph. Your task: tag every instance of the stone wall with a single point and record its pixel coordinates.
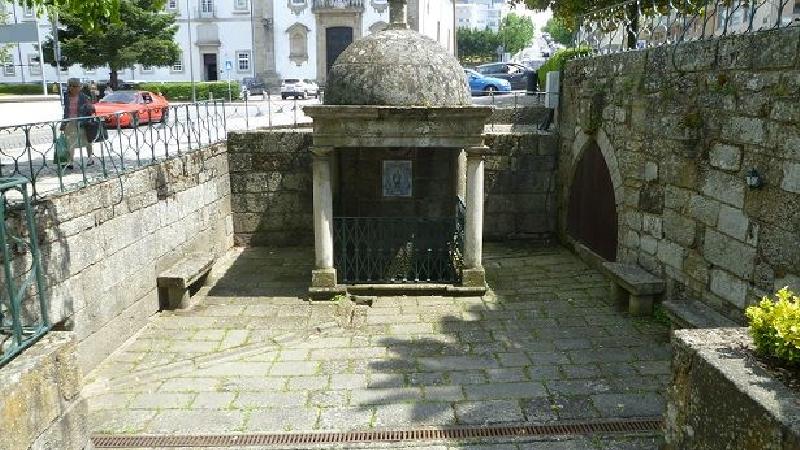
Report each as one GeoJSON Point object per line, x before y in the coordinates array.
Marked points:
{"type": "Point", "coordinates": [721, 398]}
{"type": "Point", "coordinates": [104, 245]}
{"type": "Point", "coordinates": [520, 186]}
{"type": "Point", "coordinates": [271, 186]}
{"type": "Point", "coordinates": [679, 127]}
{"type": "Point", "coordinates": [40, 402]}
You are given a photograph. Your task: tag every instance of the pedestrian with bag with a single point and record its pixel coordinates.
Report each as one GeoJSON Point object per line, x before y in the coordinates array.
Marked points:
{"type": "Point", "coordinates": [78, 110]}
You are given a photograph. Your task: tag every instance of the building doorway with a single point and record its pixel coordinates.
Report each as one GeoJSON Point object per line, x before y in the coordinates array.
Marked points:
{"type": "Point", "coordinates": [336, 40]}
{"type": "Point", "coordinates": [592, 214]}
{"type": "Point", "coordinates": [210, 66]}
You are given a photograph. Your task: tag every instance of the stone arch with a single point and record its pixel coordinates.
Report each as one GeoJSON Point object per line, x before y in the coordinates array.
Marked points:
{"type": "Point", "coordinates": [298, 43]}
{"type": "Point", "coordinates": [603, 234]}
{"type": "Point", "coordinates": [378, 26]}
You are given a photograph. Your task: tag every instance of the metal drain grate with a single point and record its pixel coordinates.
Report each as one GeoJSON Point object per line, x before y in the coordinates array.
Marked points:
{"type": "Point", "coordinates": [636, 425]}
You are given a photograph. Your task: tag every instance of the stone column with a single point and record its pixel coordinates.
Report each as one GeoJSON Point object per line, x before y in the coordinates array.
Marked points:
{"type": "Point", "coordinates": [474, 274]}
{"type": "Point", "coordinates": [461, 175]}
{"type": "Point", "coordinates": [323, 275]}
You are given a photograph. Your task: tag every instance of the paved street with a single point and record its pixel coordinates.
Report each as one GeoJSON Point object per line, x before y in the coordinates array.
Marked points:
{"type": "Point", "coordinates": [544, 345]}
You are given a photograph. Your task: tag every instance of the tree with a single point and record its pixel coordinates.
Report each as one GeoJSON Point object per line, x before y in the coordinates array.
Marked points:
{"type": "Point", "coordinates": [144, 34]}
{"type": "Point", "coordinates": [90, 12]}
{"type": "Point", "coordinates": [477, 46]}
{"type": "Point", "coordinates": [558, 31]}
{"type": "Point", "coordinates": [516, 32]}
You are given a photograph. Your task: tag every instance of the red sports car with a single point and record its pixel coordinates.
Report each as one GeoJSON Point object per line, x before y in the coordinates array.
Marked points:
{"type": "Point", "coordinates": [133, 108]}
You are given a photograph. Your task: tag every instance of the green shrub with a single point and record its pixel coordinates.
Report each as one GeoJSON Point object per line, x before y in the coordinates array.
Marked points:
{"type": "Point", "coordinates": [182, 91]}
{"type": "Point", "coordinates": [775, 326]}
{"type": "Point", "coordinates": [21, 88]}
{"type": "Point", "coordinates": [557, 61]}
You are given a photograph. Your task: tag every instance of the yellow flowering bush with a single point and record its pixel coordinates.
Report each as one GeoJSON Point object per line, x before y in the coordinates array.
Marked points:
{"type": "Point", "coordinates": [775, 326]}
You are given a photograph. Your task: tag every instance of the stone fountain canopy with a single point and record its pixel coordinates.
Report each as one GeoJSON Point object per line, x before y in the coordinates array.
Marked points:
{"type": "Point", "coordinates": [397, 88]}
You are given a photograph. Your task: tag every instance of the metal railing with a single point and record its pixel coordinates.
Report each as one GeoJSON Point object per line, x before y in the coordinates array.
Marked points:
{"type": "Point", "coordinates": [53, 157]}
{"type": "Point", "coordinates": [399, 249]}
{"type": "Point", "coordinates": [125, 141]}
{"type": "Point", "coordinates": [23, 308]}
{"type": "Point", "coordinates": [637, 24]}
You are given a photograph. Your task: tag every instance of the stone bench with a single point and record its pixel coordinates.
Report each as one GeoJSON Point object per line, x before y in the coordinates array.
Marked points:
{"type": "Point", "coordinates": [633, 287]}
{"type": "Point", "coordinates": [174, 283]}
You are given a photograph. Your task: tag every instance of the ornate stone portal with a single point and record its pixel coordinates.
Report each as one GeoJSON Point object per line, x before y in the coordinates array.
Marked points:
{"type": "Point", "coordinates": [397, 147]}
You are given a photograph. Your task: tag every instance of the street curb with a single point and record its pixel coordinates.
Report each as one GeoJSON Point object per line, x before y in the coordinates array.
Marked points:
{"type": "Point", "coordinates": [28, 98]}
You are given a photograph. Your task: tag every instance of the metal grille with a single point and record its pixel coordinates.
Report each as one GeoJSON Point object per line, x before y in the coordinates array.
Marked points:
{"type": "Point", "coordinates": [609, 426]}
{"type": "Point", "coordinates": [23, 308]}
{"type": "Point", "coordinates": [399, 249]}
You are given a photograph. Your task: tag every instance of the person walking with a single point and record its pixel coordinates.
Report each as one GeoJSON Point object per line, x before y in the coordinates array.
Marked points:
{"type": "Point", "coordinates": [77, 110]}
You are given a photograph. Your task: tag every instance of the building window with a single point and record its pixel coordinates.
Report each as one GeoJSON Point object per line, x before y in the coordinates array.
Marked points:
{"type": "Point", "coordinates": [243, 61]}
{"type": "Point", "coordinates": [207, 7]}
{"type": "Point", "coordinates": [28, 12]}
{"type": "Point", "coordinates": [177, 66]}
{"type": "Point", "coordinates": [240, 4]}
{"type": "Point", "coordinates": [146, 69]}
{"type": "Point", "coordinates": [172, 5]}
{"type": "Point", "coordinates": [33, 64]}
{"type": "Point", "coordinates": [8, 68]}
{"type": "Point", "coordinates": [298, 43]}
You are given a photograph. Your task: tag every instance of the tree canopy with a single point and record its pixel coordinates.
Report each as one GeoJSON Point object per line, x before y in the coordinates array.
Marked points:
{"type": "Point", "coordinates": [475, 46]}
{"type": "Point", "coordinates": [92, 13]}
{"type": "Point", "coordinates": [558, 31]}
{"type": "Point", "coordinates": [143, 34]}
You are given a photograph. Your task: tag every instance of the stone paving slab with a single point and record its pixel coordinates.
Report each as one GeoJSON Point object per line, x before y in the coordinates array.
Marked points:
{"type": "Point", "coordinates": [544, 344]}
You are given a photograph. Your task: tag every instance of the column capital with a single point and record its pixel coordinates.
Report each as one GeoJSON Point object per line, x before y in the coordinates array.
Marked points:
{"type": "Point", "coordinates": [479, 151]}
{"type": "Point", "coordinates": [322, 152]}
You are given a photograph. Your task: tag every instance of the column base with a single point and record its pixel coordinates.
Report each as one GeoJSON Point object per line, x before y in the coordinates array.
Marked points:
{"type": "Point", "coordinates": [323, 278]}
{"type": "Point", "coordinates": [475, 277]}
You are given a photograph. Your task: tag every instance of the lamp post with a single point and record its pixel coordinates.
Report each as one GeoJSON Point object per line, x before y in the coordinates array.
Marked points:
{"type": "Point", "coordinates": [191, 49]}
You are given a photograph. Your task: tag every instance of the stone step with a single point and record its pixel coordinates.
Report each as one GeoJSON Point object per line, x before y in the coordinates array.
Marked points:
{"type": "Point", "coordinates": [695, 315]}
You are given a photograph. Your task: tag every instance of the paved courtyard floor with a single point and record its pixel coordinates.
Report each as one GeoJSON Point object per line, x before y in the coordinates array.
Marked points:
{"type": "Point", "coordinates": [543, 345]}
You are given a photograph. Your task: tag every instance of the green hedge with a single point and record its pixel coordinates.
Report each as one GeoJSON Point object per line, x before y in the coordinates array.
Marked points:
{"type": "Point", "coordinates": [182, 91]}
{"type": "Point", "coordinates": [557, 61]}
{"type": "Point", "coordinates": [21, 88]}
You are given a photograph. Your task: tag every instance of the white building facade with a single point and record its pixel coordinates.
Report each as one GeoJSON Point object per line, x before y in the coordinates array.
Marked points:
{"type": "Point", "coordinates": [236, 39]}
{"type": "Point", "coordinates": [479, 14]}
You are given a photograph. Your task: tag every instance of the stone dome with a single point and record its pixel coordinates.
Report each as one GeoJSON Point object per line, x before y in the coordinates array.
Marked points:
{"type": "Point", "coordinates": [396, 67]}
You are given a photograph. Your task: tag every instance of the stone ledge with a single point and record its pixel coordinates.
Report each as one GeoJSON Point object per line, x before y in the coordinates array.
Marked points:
{"type": "Point", "coordinates": [39, 397]}
{"type": "Point", "coordinates": [695, 315]}
{"type": "Point", "coordinates": [720, 399]}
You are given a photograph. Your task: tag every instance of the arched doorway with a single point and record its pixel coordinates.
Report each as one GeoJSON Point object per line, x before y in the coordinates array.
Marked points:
{"type": "Point", "coordinates": [592, 213]}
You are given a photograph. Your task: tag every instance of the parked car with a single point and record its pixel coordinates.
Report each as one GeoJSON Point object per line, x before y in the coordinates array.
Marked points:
{"type": "Point", "coordinates": [149, 106]}
{"type": "Point", "coordinates": [253, 86]}
{"type": "Point", "coordinates": [481, 84]}
{"type": "Point", "coordinates": [520, 77]}
{"type": "Point", "coordinates": [297, 88]}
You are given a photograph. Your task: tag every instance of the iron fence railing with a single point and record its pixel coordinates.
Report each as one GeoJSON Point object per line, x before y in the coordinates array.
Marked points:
{"type": "Point", "coordinates": [399, 249]}
{"type": "Point", "coordinates": [23, 308]}
{"type": "Point", "coordinates": [124, 141]}
{"type": "Point", "coordinates": [639, 24]}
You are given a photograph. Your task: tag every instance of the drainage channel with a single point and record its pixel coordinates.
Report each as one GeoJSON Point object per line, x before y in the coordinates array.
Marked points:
{"type": "Point", "coordinates": [610, 426]}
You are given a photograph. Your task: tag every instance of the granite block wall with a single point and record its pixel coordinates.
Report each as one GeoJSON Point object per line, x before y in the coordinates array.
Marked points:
{"type": "Point", "coordinates": [272, 192]}
{"type": "Point", "coordinates": [103, 245]}
{"type": "Point", "coordinates": [679, 128]}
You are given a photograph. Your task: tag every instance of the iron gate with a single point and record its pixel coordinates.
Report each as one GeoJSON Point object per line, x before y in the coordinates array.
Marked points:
{"type": "Point", "coordinates": [399, 249]}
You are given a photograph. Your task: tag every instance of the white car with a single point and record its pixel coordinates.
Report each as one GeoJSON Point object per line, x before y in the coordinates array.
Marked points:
{"type": "Point", "coordinates": [297, 88]}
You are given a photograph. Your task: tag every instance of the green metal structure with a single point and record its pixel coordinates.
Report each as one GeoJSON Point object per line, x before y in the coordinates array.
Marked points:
{"type": "Point", "coordinates": [399, 249]}
{"type": "Point", "coordinates": [23, 308]}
